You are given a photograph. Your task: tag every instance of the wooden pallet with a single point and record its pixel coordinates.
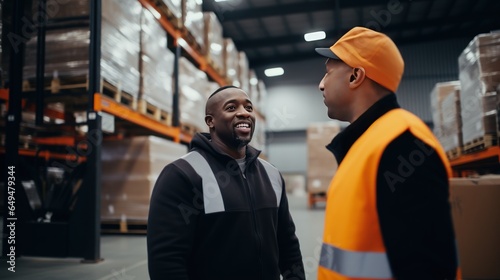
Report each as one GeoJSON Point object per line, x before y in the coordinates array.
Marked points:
{"type": "Point", "coordinates": [454, 153]}
{"type": "Point", "coordinates": [189, 129]}
{"type": "Point", "coordinates": [81, 84]}
{"type": "Point", "coordinates": [154, 112]}
{"type": "Point", "coordinates": [124, 226]}
{"type": "Point", "coordinates": [175, 21]}
{"type": "Point", "coordinates": [480, 143]}
{"type": "Point", "coordinates": [118, 95]}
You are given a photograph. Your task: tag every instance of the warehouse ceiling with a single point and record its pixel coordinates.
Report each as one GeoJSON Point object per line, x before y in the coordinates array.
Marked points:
{"type": "Point", "coordinates": [272, 31]}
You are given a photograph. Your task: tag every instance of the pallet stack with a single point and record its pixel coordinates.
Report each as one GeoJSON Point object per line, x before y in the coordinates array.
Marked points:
{"type": "Point", "coordinates": [321, 164]}
{"type": "Point", "coordinates": [479, 72]}
{"type": "Point", "coordinates": [445, 104]}
{"type": "Point", "coordinates": [157, 69]}
{"type": "Point", "coordinates": [130, 168]}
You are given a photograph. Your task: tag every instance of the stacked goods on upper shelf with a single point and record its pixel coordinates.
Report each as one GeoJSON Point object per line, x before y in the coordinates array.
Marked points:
{"type": "Point", "coordinates": [192, 95]}
{"type": "Point", "coordinates": [157, 64]}
{"type": "Point", "coordinates": [445, 104]}
{"type": "Point", "coordinates": [67, 49]}
{"type": "Point", "coordinates": [192, 18]}
{"type": "Point", "coordinates": [479, 71]}
{"type": "Point", "coordinates": [257, 92]}
{"type": "Point", "coordinates": [243, 72]}
{"type": "Point", "coordinates": [214, 42]}
{"type": "Point", "coordinates": [130, 168]}
{"type": "Point", "coordinates": [231, 61]}
{"type": "Point", "coordinates": [321, 165]}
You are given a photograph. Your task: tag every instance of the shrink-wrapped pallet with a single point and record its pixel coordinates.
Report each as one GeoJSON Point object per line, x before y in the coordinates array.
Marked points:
{"type": "Point", "coordinates": [439, 92]}
{"type": "Point", "coordinates": [192, 95]}
{"type": "Point", "coordinates": [67, 49]}
{"type": "Point", "coordinates": [157, 64]}
{"type": "Point", "coordinates": [193, 20]}
{"type": "Point", "coordinates": [231, 61]}
{"type": "Point", "coordinates": [451, 137]}
{"type": "Point", "coordinates": [479, 72]}
{"type": "Point", "coordinates": [243, 72]}
{"type": "Point", "coordinates": [130, 168]}
{"type": "Point", "coordinates": [214, 42]}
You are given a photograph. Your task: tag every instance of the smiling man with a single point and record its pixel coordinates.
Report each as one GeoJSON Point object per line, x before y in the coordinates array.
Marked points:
{"type": "Point", "coordinates": [220, 212]}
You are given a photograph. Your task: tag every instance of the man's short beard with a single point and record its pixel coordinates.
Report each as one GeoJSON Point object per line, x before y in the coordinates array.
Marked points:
{"type": "Point", "coordinates": [240, 143]}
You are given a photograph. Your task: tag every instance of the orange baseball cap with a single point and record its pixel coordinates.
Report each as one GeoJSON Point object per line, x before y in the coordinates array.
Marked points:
{"type": "Point", "coordinates": [372, 50]}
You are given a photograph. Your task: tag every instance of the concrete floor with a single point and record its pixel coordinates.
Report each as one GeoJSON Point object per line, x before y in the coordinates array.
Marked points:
{"type": "Point", "coordinates": [125, 255]}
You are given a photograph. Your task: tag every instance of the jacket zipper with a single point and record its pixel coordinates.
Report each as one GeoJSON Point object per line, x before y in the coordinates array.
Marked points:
{"type": "Point", "coordinates": [254, 216]}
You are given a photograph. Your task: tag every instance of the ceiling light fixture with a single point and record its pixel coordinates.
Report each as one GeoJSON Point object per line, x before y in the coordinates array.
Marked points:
{"type": "Point", "coordinates": [315, 36]}
{"type": "Point", "coordinates": [221, 0]}
{"type": "Point", "coordinates": [273, 72]}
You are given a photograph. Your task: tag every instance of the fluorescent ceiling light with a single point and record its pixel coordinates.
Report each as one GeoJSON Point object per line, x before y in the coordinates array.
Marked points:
{"type": "Point", "coordinates": [221, 0]}
{"type": "Point", "coordinates": [273, 72]}
{"type": "Point", "coordinates": [315, 36]}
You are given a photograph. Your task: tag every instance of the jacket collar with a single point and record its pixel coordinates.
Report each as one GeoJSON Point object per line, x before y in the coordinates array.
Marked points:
{"type": "Point", "coordinates": [341, 143]}
{"type": "Point", "coordinates": [201, 141]}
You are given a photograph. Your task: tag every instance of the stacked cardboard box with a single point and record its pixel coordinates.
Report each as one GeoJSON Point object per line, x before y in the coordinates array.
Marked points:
{"type": "Point", "coordinates": [157, 64]}
{"type": "Point", "coordinates": [130, 169]}
{"type": "Point", "coordinates": [214, 42]}
{"type": "Point", "coordinates": [479, 71]}
{"type": "Point", "coordinates": [321, 164]}
{"type": "Point", "coordinates": [476, 216]}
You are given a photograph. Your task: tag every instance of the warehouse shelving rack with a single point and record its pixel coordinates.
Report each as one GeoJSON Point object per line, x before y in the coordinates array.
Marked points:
{"type": "Point", "coordinates": [79, 236]}
{"type": "Point", "coordinates": [484, 161]}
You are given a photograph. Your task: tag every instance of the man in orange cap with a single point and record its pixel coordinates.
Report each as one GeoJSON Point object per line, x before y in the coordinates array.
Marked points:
{"type": "Point", "coordinates": [387, 214]}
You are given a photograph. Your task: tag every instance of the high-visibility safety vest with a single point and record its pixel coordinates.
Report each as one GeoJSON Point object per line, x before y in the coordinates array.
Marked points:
{"type": "Point", "coordinates": [353, 247]}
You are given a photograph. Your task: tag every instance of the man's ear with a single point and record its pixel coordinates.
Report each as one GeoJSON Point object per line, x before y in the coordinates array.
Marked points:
{"type": "Point", "coordinates": [357, 77]}
{"type": "Point", "coordinates": [209, 120]}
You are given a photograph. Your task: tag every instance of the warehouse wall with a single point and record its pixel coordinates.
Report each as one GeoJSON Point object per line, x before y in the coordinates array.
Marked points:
{"type": "Point", "coordinates": [294, 100]}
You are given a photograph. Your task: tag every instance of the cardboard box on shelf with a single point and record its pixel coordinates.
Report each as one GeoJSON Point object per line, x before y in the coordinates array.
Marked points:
{"type": "Point", "coordinates": [476, 218]}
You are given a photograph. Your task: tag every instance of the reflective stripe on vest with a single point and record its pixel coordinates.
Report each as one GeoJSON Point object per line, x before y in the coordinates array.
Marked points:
{"type": "Point", "coordinates": [212, 196]}
{"type": "Point", "coordinates": [355, 264]}
{"type": "Point", "coordinates": [275, 178]}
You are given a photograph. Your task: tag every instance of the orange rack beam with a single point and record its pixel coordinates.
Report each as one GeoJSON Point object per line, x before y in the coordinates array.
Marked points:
{"type": "Point", "coordinates": [109, 105]}
{"type": "Point", "coordinates": [466, 159]}
{"type": "Point", "coordinates": [48, 155]}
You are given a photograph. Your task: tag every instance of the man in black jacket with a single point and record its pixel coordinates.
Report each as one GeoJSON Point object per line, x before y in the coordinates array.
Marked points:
{"type": "Point", "coordinates": [220, 212]}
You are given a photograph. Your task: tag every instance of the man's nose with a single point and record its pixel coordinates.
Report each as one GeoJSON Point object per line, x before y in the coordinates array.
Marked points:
{"type": "Point", "coordinates": [243, 113]}
{"type": "Point", "coordinates": [322, 84]}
